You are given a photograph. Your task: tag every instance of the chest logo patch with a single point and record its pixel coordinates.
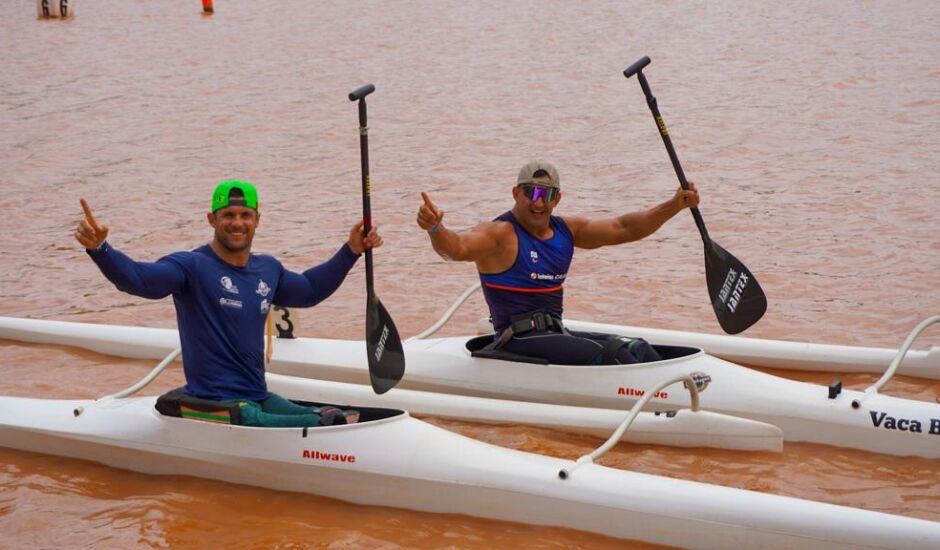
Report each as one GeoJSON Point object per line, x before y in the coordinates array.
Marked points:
{"type": "Point", "coordinates": [228, 285]}
{"type": "Point", "coordinates": [265, 306]}
{"type": "Point", "coordinates": [534, 256]}
{"type": "Point", "coordinates": [263, 288]}
{"type": "Point", "coordinates": [228, 302]}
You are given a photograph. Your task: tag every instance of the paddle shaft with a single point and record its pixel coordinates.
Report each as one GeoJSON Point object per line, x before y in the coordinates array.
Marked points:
{"type": "Point", "coordinates": [667, 141]}
{"type": "Point", "coordinates": [360, 95]}
{"type": "Point", "coordinates": [383, 344]}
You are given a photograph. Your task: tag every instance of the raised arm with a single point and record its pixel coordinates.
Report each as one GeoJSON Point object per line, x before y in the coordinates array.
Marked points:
{"type": "Point", "coordinates": [319, 282]}
{"type": "Point", "coordinates": [144, 279]}
{"type": "Point", "coordinates": [89, 232]}
{"type": "Point", "coordinates": [632, 226]}
{"type": "Point", "coordinates": [475, 245]}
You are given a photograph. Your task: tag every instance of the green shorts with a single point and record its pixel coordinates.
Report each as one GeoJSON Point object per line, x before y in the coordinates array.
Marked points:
{"type": "Point", "coordinates": [277, 412]}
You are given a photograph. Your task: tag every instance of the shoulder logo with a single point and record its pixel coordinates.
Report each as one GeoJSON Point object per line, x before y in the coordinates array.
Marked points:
{"type": "Point", "coordinates": [263, 288]}
{"type": "Point", "coordinates": [228, 285]}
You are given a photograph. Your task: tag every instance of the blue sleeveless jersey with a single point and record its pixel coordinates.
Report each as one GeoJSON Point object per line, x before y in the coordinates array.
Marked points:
{"type": "Point", "coordinates": [536, 278]}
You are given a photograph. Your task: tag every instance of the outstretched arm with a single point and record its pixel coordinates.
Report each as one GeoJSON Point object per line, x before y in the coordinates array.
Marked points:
{"type": "Point", "coordinates": [632, 226]}
{"type": "Point", "coordinates": [147, 280]}
{"type": "Point", "coordinates": [468, 246]}
{"type": "Point", "coordinates": [320, 282]}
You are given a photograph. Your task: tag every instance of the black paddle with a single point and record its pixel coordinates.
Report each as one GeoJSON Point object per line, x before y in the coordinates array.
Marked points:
{"type": "Point", "coordinates": [736, 295]}
{"type": "Point", "coordinates": [383, 345]}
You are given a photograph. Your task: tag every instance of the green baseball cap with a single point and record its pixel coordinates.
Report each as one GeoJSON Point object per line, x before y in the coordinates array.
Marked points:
{"type": "Point", "coordinates": [234, 193]}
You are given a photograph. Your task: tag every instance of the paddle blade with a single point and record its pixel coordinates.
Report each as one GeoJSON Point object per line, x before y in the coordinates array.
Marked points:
{"type": "Point", "coordinates": [383, 347]}
{"type": "Point", "coordinates": [736, 295]}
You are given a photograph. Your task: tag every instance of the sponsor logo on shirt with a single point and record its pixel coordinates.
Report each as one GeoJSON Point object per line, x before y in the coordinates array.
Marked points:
{"type": "Point", "coordinates": [263, 288]}
{"type": "Point", "coordinates": [228, 285]}
{"type": "Point", "coordinates": [229, 302]}
{"type": "Point", "coordinates": [547, 276]}
{"type": "Point", "coordinates": [534, 256]}
{"type": "Point", "coordinates": [265, 306]}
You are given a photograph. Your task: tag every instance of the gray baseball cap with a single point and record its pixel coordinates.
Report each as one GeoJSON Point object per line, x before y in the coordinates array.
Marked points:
{"type": "Point", "coordinates": [526, 175]}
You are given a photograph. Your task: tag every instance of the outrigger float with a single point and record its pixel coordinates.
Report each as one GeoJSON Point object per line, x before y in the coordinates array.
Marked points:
{"type": "Point", "coordinates": [866, 420]}
{"type": "Point", "coordinates": [392, 459]}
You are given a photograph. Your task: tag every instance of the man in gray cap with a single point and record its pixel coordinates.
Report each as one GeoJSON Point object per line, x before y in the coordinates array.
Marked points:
{"type": "Point", "coordinates": [523, 257]}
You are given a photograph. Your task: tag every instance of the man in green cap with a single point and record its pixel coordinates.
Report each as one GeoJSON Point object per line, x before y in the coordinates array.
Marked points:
{"type": "Point", "coordinates": [223, 293]}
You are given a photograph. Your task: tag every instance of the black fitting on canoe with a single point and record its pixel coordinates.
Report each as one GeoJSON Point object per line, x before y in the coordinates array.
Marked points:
{"type": "Point", "coordinates": [835, 388]}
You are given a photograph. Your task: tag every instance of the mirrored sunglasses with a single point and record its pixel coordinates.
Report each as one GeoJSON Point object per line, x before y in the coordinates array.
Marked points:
{"type": "Point", "coordinates": [536, 192]}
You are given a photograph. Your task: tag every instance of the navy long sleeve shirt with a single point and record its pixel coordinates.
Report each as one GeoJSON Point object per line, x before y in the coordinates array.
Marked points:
{"type": "Point", "coordinates": [221, 309]}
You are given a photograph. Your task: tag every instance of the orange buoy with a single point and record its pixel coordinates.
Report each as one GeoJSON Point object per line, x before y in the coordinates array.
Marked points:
{"type": "Point", "coordinates": [207, 6]}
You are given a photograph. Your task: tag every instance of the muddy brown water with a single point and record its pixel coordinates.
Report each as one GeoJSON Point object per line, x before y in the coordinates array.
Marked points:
{"type": "Point", "coordinates": [811, 130]}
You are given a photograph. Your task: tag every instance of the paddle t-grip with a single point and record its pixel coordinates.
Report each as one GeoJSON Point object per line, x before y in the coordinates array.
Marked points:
{"type": "Point", "coordinates": [361, 92]}
{"type": "Point", "coordinates": [637, 66]}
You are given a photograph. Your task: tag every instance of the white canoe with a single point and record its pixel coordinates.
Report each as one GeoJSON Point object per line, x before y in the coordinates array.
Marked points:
{"type": "Point", "coordinates": [757, 352]}
{"type": "Point", "coordinates": [881, 423]}
{"type": "Point", "coordinates": [780, 354]}
{"type": "Point", "coordinates": [391, 459]}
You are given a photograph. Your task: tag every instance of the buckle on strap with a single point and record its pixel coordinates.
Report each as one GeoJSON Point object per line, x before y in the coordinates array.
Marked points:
{"type": "Point", "coordinates": [534, 321]}
{"type": "Point", "coordinates": [538, 320]}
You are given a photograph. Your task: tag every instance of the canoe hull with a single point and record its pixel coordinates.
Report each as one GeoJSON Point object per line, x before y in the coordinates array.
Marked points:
{"type": "Point", "coordinates": [406, 463]}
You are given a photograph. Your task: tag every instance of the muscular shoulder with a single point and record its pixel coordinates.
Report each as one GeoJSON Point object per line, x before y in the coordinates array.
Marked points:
{"type": "Point", "coordinates": [502, 250]}
{"type": "Point", "coordinates": [499, 235]}
{"type": "Point", "coordinates": [496, 228]}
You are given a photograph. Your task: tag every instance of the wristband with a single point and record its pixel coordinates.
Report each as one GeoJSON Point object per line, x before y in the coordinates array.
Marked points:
{"type": "Point", "coordinates": [434, 229]}
{"type": "Point", "coordinates": [103, 248]}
